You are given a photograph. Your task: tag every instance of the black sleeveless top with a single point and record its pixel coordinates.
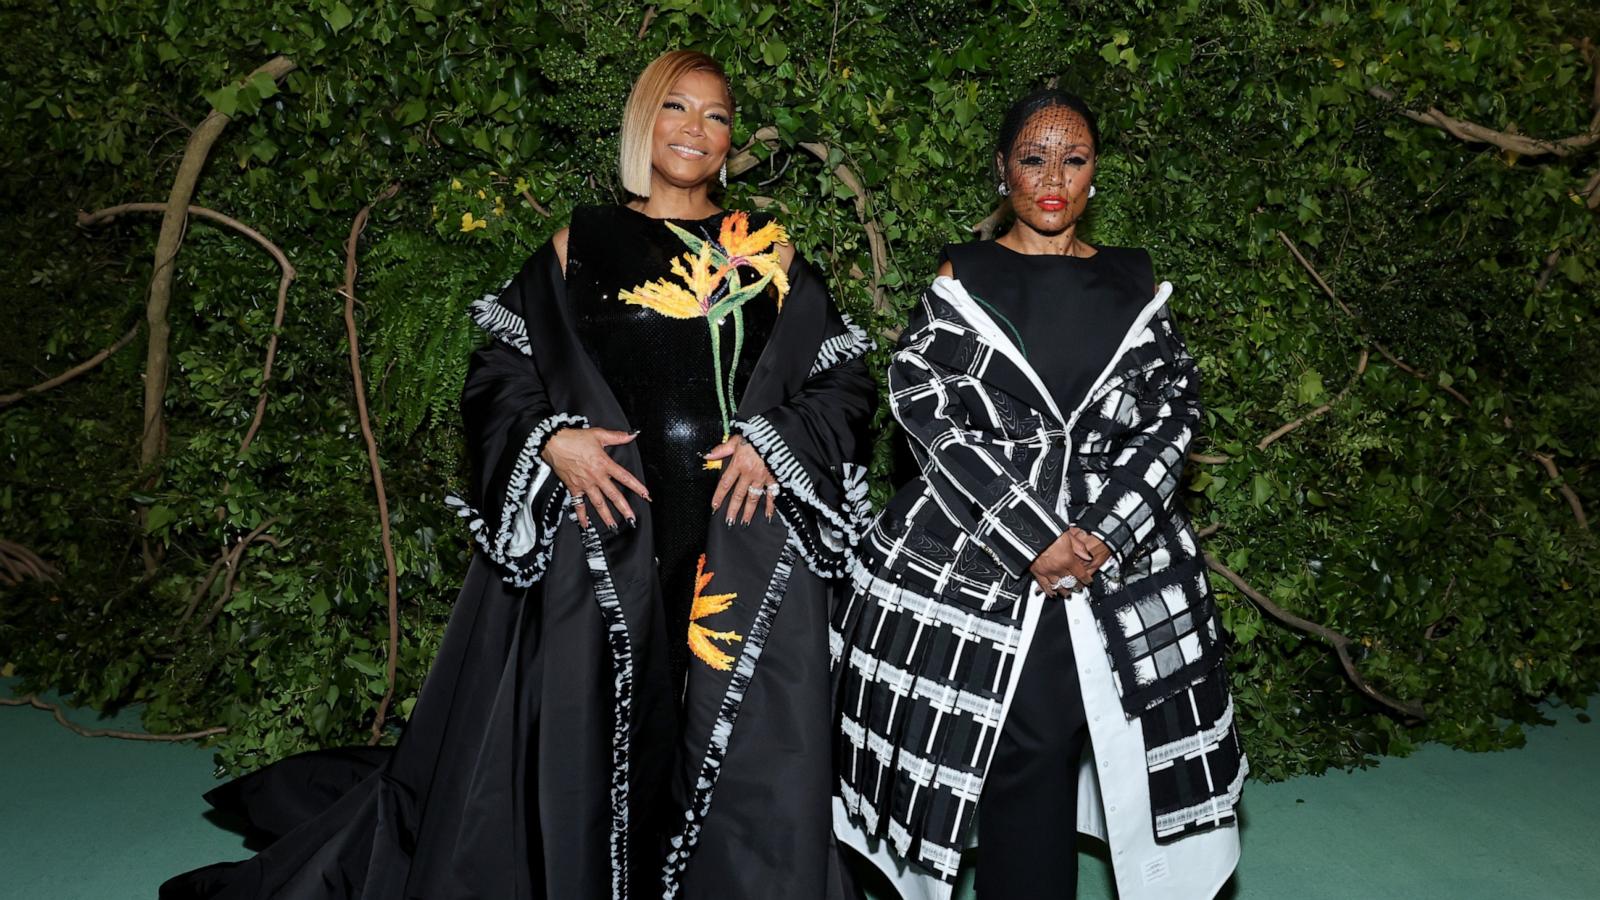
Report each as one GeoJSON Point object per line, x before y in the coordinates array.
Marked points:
{"type": "Point", "coordinates": [1067, 314]}
{"type": "Point", "coordinates": [661, 369]}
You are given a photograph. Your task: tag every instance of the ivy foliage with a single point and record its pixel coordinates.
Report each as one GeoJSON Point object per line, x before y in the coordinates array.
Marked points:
{"type": "Point", "coordinates": [1423, 526]}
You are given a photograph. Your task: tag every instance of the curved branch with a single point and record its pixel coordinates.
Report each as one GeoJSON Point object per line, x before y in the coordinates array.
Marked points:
{"type": "Point", "coordinates": [1549, 464]}
{"type": "Point", "coordinates": [93, 361]}
{"type": "Point", "coordinates": [1340, 643]}
{"type": "Point", "coordinates": [1473, 133]}
{"type": "Point", "coordinates": [1383, 351]}
{"type": "Point", "coordinates": [286, 275]}
{"type": "Point", "coordinates": [18, 563]}
{"type": "Point", "coordinates": [231, 561]}
{"type": "Point", "coordinates": [1287, 427]}
{"type": "Point", "coordinates": [34, 701]}
{"type": "Point", "coordinates": [174, 221]}
{"type": "Point", "coordinates": [991, 223]}
{"type": "Point", "coordinates": [349, 294]}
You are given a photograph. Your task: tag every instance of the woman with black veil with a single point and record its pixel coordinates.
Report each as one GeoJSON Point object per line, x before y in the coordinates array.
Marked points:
{"type": "Point", "coordinates": [1037, 589]}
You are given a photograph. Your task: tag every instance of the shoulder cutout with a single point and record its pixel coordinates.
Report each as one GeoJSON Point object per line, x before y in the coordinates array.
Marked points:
{"type": "Point", "coordinates": [559, 239]}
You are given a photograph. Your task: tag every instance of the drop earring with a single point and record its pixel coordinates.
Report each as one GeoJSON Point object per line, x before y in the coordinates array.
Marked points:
{"type": "Point", "coordinates": [723, 177]}
{"type": "Point", "coordinates": [1003, 189]}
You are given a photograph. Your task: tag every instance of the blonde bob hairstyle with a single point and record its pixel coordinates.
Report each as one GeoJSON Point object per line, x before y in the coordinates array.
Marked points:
{"type": "Point", "coordinates": [639, 116]}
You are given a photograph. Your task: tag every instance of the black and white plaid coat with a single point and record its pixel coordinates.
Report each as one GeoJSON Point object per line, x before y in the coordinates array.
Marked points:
{"type": "Point", "coordinates": [927, 648]}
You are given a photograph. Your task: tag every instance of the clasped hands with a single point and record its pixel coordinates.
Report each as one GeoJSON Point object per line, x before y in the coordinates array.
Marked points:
{"type": "Point", "coordinates": [596, 481]}
{"type": "Point", "coordinates": [1076, 553]}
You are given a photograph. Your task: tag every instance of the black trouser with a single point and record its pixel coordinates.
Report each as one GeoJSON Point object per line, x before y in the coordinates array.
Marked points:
{"type": "Point", "coordinates": [1028, 814]}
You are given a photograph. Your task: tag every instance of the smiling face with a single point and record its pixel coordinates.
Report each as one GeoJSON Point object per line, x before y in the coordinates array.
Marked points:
{"type": "Point", "coordinates": [1049, 169]}
{"type": "Point", "coordinates": [693, 131]}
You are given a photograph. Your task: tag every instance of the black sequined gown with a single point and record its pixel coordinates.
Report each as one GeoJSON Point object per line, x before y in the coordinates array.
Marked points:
{"type": "Point", "coordinates": [660, 369]}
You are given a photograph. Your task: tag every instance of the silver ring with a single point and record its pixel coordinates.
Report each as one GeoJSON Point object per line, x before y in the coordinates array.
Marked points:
{"type": "Point", "coordinates": [755, 491]}
{"type": "Point", "coordinates": [1068, 582]}
{"type": "Point", "coordinates": [773, 489]}
{"type": "Point", "coordinates": [579, 500]}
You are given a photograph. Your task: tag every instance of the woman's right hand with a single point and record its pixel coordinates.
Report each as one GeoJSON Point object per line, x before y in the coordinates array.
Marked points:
{"type": "Point", "coordinates": [580, 460]}
{"type": "Point", "coordinates": [1058, 561]}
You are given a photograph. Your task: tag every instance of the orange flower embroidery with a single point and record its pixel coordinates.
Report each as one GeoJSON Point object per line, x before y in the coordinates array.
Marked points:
{"type": "Point", "coordinates": [708, 287]}
{"type": "Point", "coordinates": [701, 638]}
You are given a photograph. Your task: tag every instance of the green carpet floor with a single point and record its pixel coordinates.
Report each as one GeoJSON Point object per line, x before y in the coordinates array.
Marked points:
{"type": "Point", "coordinates": [103, 819]}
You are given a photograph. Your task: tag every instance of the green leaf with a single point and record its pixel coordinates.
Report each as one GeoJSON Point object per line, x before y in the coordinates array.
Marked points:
{"type": "Point", "coordinates": [1310, 389]}
{"type": "Point", "coordinates": [339, 17]}
{"type": "Point", "coordinates": [158, 518]}
{"type": "Point", "coordinates": [225, 99]}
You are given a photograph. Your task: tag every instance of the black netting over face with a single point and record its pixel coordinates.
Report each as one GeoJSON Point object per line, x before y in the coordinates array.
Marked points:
{"type": "Point", "coordinates": [1046, 160]}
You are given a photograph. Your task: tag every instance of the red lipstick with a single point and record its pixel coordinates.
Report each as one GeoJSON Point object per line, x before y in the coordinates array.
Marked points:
{"type": "Point", "coordinates": [1052, 203]}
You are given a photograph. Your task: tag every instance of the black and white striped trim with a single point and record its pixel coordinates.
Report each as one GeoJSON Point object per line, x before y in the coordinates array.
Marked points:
{"type": "Point", "coordinates": [842, 348]}
{"type": "Point", "coordinates": [605, 591]}
{"type": "Point", "coordinates": [502, 324]}
{"type": "Point", "coordinates": [683, 844]}
{"type": "Point", "coordinates": [532, 482]}
{"type": "Point", "coordinates": [827, 544]}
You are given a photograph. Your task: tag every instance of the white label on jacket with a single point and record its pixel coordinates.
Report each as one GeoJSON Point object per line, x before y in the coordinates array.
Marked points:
{"type": "Point", "coordinates": [1155, 869]}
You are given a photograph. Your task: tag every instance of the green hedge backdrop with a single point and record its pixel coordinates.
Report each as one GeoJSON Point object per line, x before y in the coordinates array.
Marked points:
{"type": "Point", "coordinates": [1433, 162]}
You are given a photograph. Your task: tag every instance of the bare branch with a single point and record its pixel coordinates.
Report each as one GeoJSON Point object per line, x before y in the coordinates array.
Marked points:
{"type": "Point", "coordinates": [1361, 368]}
{"type": "Point", "coordinates": [174, 222]}
{"type": "Point", "coordinates": [85, 366]}
{"type": "Point", "coordinates": [1383, 351]}
{"type": "Point", "coordinates": [20, 563]}
{"type": "Point", "coordinates": [649, 16]}
{"type": "Point", "coordinates": [991, 223]}
{"type": "Point", "coordinates": [349, 294]}
{"type": "Point", "coordinates": [230, 562]}
{"type": "Point", "coordinates": [34, 701]}
{"type": "Point", "coordinates": [1549, 464]}
{"type": "Point", "coordinates": [1473, 133]}
{"type": "Point", "coordinates": [286, 275]}
{"type": "Point", "coordinates": [1550, 263]}
{"type": "Point", "coordinates": [1340, 643]}
{"type": "Point", "coordinates": [537, 206]}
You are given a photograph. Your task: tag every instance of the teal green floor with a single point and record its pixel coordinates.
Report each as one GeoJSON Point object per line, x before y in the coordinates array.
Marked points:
{"type": "Point", "coordinates": [104, 819]}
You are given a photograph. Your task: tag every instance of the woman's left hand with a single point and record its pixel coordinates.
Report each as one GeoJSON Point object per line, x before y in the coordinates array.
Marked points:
{"type": "Point", "coordinates": [746, 481]}
{"type": "Point", "coordinates": [1088, 548]}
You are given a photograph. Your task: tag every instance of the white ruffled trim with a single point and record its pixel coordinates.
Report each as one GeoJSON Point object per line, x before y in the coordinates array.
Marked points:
{"type": "Point", "coordinates": [524, 528]}
{"type": "Point", "coordinates": [842, 348]}
{"type": "Point", "coordinates": [605, 592]}
{"type": "Point", "coordinates": [839, 530]}
{"type": "Point", "coordinates": [502, 324]}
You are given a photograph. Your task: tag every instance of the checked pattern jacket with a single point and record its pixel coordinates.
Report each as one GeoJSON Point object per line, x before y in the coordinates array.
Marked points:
{"type": "Point", "coordinates": [928, 642]}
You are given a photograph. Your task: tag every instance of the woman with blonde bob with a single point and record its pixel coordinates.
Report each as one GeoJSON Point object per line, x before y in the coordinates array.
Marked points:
{"type": "Point", "coordinates": [666, 429]}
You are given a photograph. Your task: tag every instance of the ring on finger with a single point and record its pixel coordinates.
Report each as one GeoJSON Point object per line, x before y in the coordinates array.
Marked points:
{"type": "Point", "coordinates": [1065, 582]}
{"type": "Point", "coordinates": [755, 491]}
{"type": "Point", "coordinates": [772, 489]}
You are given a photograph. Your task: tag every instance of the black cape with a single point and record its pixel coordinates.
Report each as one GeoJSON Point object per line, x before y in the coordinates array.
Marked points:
{"type": "Point", "coordinates": [546, 756]}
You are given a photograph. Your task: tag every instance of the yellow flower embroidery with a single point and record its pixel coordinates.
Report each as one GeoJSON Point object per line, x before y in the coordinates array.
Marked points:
{"type": "Point", "coordinates": [666, 298]}
{"type": "Point", "coordinates": [701, 638]}
{"type": "Point", "coordinates": [709, 287]}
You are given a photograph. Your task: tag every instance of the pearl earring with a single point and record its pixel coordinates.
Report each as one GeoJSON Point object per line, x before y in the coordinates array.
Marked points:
{"type": "Point", "coordinates": [1091, 191]}
{"type": "Point", "coordinates": [724, 176]}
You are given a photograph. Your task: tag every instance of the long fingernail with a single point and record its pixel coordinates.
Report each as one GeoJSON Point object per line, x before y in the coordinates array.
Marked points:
{"type": "Point", "coordinates": [632, 522]}
{"type": "Point", "coordinates": [730, 521]}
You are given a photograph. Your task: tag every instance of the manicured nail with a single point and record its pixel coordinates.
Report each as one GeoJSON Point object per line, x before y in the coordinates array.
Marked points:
{"type": "Point", "coordinates": [632, 522]}
{"type": "Point", "coordinates": [730, 521]}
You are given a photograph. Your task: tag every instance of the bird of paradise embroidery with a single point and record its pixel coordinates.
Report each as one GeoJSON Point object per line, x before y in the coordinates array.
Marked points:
{"type": "Point", "coordinates": [702, 639]}
{"type": "Point", "coordinates": [709, 288]}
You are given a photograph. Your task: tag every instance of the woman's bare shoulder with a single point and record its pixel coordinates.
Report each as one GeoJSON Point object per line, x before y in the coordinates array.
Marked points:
{"type": "Point", "coordinates": [559, 240]}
